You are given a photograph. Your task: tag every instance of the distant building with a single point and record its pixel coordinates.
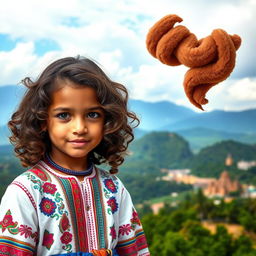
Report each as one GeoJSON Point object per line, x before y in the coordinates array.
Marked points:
{"type": "Point", "coordinates": [176, 172]}
{"type": "Point", "coordinates": [183, 176]}
{"type": "Point", "coordinates": [229, 160]}
{"type": "Point", "coordinates": [156, 207]}
{"type": "Point", "coordinates": [223, 186]}
{"type": "Point", "coordinates": [245, 165]}
{"type": "Point", "coordinates": [250, 191]}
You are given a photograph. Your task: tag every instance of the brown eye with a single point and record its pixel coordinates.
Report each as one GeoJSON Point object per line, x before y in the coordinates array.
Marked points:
{"type": "Point", "coordinates": [63, 116]}
{"type": "Point", "coordinates": [93, 115]}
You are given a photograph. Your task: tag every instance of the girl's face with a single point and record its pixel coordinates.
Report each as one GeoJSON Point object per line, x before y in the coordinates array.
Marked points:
{"type": "Point", "coordinates": [75, 125]}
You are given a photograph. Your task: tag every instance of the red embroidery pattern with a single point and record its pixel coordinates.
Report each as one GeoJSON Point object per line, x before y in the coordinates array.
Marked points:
{"type": "Point", "coordinates": [125, 229]}
{"type": "Point", "coordinates": [26, 191]}
{"type": "Point", "coordinates": [133, 245]}
{"type": "Point", "coordinates": [49, 188]}
{"type": "Point", "coordinates": [25, 230]}
{"type": "Point", "coordinates": [64, 223]}
{"type": "Point", "coordinates": [110, 185]}
{"type": "Point", "coordinates": [40, 174]}
{"type": "Point", "coordinates": [47, 206]}
{"type": "Point", "coordinates": [113, 232]}
{"type": "Point", "coordinates": [135, 219]}
{"type": "Point", "coordinates": [48, 239]}
{"type": "Point", "coordinates": [66, 238]}
{"type": "Point", "coordinates": [8, 224]}
{"type": "Point", "coordinates": [79, 214]}
{"type": "Point", "coordinates": [55, 208]}
{"type": "Point", "coordinates": [11, 246]}
{"type": "Point", "coordinates": [113, 204]}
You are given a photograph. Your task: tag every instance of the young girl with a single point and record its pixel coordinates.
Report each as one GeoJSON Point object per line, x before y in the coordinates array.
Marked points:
{"type": "Point", "coordinates": [70, 119]}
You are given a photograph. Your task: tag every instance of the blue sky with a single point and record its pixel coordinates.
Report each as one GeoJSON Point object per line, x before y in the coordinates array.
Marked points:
{"type": "Point", "coordinates": [34, 33]}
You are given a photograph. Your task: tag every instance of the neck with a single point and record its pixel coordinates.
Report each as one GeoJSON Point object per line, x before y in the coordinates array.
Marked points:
{"type": "Point", "coordinates": [68, 168]}
{"type": "Point", "coordinates": [78, 164]}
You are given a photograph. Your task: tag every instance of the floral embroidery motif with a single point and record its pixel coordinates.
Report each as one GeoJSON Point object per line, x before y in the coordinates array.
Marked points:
{"type": "Point", "coordinates": [7, 222]}
{"type": "Point", "coordinates": [125, 229]}
{"type": "Point", "coordinates": [25, 230]}
{"type": "Point", "coordinates": [37, 182]}
{"type": "Point", "coordinates": [52, 206]}
{"type": "Point", "coordinates": [48, 239]}
{"type": "Point", "coordinates": [135, 219]}
{"type": "Point", "coordinates": [47, 206]}
{"type": "Point", "coordinates": [110, 185]}
{"type": "Point", "coordinates": [49, 188]}
{"type": "Point", "coordinates": [66, 238]}
{"type": "Point", "coordinates": [64, 223]}
{"type": "Point", "coordinates": [113, 232]}
{"type": "Point", "coordinates": [40, 174]}
{"type": "Point", "coordinates": [113, 204]}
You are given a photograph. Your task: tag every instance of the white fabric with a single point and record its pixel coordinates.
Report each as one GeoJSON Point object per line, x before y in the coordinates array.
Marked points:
{"type": "Point", "coordinates": [45, 212]}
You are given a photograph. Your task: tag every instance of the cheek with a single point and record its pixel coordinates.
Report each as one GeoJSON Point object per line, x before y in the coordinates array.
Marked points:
{"type": "Point", "coordinates": [98, 132]}
{"type": "Point", "coordinates": [55, 129]}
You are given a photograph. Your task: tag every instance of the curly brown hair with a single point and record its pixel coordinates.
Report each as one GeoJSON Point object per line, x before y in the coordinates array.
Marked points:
{"type": "Point", "coordinates": [26, 124]}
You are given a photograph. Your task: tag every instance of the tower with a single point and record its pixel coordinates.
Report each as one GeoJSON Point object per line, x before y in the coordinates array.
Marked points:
{"type": "Point", "coordinates": [229, 160]}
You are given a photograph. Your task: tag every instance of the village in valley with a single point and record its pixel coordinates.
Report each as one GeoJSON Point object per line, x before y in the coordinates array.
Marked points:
{"type": "Point", "coordinates": [221, 188]}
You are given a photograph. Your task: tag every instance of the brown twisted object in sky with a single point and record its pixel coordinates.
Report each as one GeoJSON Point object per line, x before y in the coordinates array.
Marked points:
{"type": "Point", "coordinates": [210, 59]}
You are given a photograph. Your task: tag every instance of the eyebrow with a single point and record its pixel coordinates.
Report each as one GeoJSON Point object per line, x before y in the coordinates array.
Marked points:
{"type": "Point", "coordinates": [70, 109]}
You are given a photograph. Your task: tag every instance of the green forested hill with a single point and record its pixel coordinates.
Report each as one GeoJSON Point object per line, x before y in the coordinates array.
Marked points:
{"type": "Point", "coordinates": [200, 138]}
{"type": "Point", "coordinates": [162, 149]}
{"type": "Point", "coordinates": [210, 161]}
{"type": "Point", "coordinates": [219, 150]}
{"type": "Point", "coordinates": [158, 150]}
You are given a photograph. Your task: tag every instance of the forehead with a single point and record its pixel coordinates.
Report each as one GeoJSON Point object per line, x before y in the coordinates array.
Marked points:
{"type": "Point", "coordinates": [71, 96]}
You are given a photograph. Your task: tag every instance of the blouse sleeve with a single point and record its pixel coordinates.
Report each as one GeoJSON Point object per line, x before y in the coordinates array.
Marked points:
{"type": "Point", "coordinates": [18, 222]}
{"type": "Point", "coordinates": [131, 239]}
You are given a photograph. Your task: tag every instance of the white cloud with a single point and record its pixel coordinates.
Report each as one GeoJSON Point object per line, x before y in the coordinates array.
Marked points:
{"type": "Point", "coordinates": [21, 62]}
{"type": "Point", "coordinates": [238, 94]}
{"type": "Point", "coordinates": [154, 82]}
{"type": "Point", "coordinates": [110, 61]}
{"type": "Point", "coordinates": [113, 33]}
{"type": "Point", "coordinates": [243, 90]}
{"type": "Point", "coordinates": [16, 63]}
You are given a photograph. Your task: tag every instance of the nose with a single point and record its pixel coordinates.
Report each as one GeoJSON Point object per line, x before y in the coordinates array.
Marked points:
{"type": "Point", "coordinates": [79, 126]}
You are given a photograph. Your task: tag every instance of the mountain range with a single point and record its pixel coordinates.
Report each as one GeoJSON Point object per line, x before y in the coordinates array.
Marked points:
{"type": "Point", "coordinates": [169, 150]}
{"type": "Point", "coordinates": [200, 129]}
{"type": "Point", "coordinates": [168, 116]}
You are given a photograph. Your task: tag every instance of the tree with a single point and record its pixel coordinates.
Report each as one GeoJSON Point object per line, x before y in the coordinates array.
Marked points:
{"type": "Point", "coordinates": [243, 246]}
{"type": "Point", "coordinates": [222, 242]}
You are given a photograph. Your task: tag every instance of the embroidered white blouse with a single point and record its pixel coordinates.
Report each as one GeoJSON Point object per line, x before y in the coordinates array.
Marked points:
{"type": "Point", "coordinates": [44, 213]}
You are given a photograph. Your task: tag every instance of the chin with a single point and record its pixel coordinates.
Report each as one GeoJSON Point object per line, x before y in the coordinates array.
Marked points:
{"type": "Point", "coordinates": [78, 156]}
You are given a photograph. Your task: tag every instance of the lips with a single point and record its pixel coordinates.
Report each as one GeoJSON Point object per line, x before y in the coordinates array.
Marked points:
{"type": "Point", "coordinates": [78, 142]}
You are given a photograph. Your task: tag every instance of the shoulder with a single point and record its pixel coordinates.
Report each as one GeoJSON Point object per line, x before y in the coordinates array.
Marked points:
{"type": "Point", "coordinates": [111, 182]}
{"type": "Point", "coordinates": [30, 182]}
{"type": "Point", "coordinates": [102, 174]}
{"type": "Point", "coordinates": [33, 175]}
{"type": "Point", "coordinates": [19, 192]}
